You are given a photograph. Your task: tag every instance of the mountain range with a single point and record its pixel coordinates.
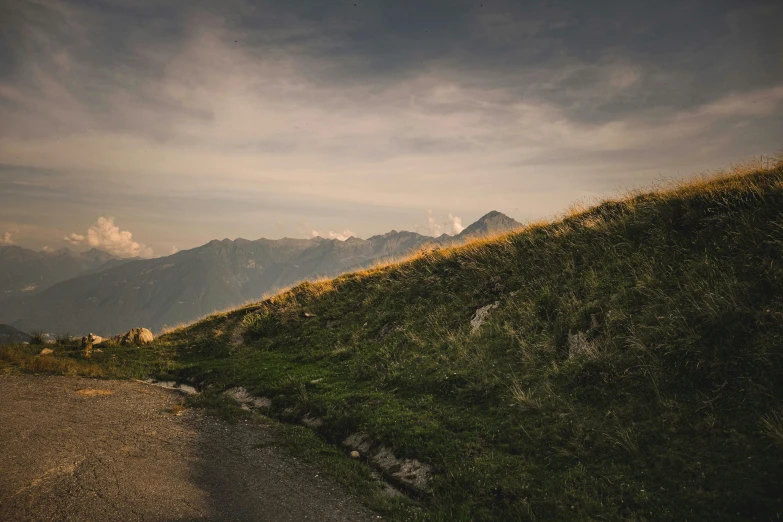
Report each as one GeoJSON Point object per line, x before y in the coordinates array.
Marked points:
{"type": "Point", "coordinates": [99, 293]}
{"type": "Point", "coordinates": [24, 271]}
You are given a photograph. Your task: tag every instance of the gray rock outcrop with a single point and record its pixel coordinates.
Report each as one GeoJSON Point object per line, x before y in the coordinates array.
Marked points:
{"type": "Point", "coordinates": [136, 336]}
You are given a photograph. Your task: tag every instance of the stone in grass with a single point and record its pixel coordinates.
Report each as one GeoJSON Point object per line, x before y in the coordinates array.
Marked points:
{"type": "Point", "coordinates": [409, 472]}
{"type": "Point", "coordinates": [137, 336]}
{"type": "Point", "coordinates": [580, 346]}
{"type": "Point", "coordinates": [242, 396]}
{"type": "Point", "coordinates": [46, 351]}
{"type": "Point", "coordinates": [480, 316]}
{"type": "Point", "coordinates": [91, 339]}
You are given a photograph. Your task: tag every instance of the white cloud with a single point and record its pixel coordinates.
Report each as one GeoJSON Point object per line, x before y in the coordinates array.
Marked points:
{"type": "Point", "coordinates": [215, 114]}
{"type": "Point", "coordinates": [74, 239]}
{"type": "Point", "coordinates": [454, 224]}
{"type": "Point", "coordinates": [451, 225]}
{"type": "Point", "coordinates": [174, 249]}
{"type": "Point", "coordinates": [340, 236]}
{"type": "Point", "coordinates": [105, 235]}
{"type": "Point", "coordinates": [6, 239]}
{"type": "Point", "coordinates": [47, 248]}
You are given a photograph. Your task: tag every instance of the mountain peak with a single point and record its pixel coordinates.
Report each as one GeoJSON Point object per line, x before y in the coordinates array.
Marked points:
{"type": "Point", "coordinates": [492, 222]}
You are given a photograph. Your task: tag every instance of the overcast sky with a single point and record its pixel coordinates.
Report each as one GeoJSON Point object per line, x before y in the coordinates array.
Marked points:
{"type": "Point", "coordinates": [188, 121]}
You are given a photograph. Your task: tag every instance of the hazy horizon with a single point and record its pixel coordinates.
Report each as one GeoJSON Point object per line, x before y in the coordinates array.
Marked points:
{"type": "Point", "coordinates": [144, 129]}
{"type": "Point", "coordinates": [107, 238]}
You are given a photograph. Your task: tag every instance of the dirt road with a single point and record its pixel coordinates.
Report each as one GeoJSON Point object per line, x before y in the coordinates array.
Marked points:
{"type": "Point", "coordinates": [83, 449]}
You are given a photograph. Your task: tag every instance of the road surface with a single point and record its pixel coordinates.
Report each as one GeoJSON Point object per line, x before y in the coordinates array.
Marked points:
{"type": "Point", "coordinates": [91, 450]}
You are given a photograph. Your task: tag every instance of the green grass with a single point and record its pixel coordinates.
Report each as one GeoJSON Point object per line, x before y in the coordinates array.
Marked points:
{"type": "Point", "coordinates": [26, 359]}
{"type": "Point", "coordinates": [631, 370]}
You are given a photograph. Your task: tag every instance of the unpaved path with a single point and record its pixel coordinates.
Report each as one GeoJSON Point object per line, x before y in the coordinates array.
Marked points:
{"type": "Point", "coordinates": [69, 452]}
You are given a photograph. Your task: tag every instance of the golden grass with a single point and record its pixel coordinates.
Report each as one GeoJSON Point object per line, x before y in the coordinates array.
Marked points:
{"type": "Point", "coordinates": [578, 213]}
{"type": "Point", "coordinates": [772, 426]}
{"type": "Point", "coordinates": [51, 363]}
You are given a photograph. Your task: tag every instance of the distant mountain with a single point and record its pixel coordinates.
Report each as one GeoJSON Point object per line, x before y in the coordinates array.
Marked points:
{"type": "Point", "coordinates": [182, 287]}
{"type": "Point", "coordinates": [24, 271]}
{"type": "Point", "coordinates": [490, 223]}
{"type": "Point", "coordinates": [11, 335]}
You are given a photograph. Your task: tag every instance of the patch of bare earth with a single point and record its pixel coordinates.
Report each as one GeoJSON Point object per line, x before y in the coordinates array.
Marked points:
{"type": "Point", "coordinates": [82, 449]}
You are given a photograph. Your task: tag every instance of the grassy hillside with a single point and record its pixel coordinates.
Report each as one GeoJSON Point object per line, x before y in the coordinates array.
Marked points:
{"type": "Point", "coordinates": [630, 370]}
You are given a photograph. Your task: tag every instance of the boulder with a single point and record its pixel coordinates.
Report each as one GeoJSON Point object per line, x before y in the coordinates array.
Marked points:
{"type": "Point", "coordinates": [91, 339]}
{"type": "Point", "coordinates": [480, 316]}
{"type": "Point", "coordinates": [137, 336]}
{"type": "Point", "coordinates": [94, 339]}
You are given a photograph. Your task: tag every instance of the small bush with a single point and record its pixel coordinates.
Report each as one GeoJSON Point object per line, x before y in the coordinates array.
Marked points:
{"type": "Point", "coordinates": [65, 339]}
{"type": "Point", "coordinates": [37, 337]}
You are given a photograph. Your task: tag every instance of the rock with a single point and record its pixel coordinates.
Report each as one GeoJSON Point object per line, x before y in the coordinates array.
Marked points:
{"type": "Point", "coordinates": [413, 474]}
{"type": "Point", "coordinates": [88, 341]}
{"type": "Point", "coordinates": [480, 316]}
{"type": "Point", "coordinates": [239, 394]}
{"type": "Point", "coordinates": [359, 441]}
{"type": "Point", "coordinates": [410, 473]}
{"type": "Point", "coordinates": [137, 336]}
{"type": "Point", "coordinates": [579, 345]}
{"type": "Point", "coordinates": [98, 350]}
{"type": "Point", "coordinates": [243, 396]}
{"type": "Point", "coordinates": [355, 454]}
{"type": "Point", "coordinates": [384, 458]}
{"type": "Point", "coordinates": [46, 351]}
{"type": "Point", "coordinates": [308, 315]}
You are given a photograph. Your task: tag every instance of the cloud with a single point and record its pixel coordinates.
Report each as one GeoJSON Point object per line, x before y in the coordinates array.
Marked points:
{"type": "Point", "coordinates": [451, 225]}
{"type": "Point", "coordinates": [340, 236]}
{"type": "Point", "coordinates": [74, 239]}
{"type": "Point", "coordinates": [477, 109]}
{"type": "Point", "coordinates": [455, 224]}
{"type": "Point", "coordinates": [105, 235]}
{"type": "Point", "coordinates": [6, 239]}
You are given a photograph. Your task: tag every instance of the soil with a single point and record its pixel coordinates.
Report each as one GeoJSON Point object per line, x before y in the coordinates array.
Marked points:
{"type": "Point", "coordinates": [84, 449]}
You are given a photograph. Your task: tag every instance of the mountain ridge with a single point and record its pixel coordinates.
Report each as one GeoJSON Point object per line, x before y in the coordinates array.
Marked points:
{"type": "Point", "coordinates": [26, 271]}
{"type": "Point", "coordinates": [179, 288]}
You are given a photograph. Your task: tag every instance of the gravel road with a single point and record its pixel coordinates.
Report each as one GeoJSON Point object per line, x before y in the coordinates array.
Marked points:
{"type": "Point", "coordinates": [92, 450]}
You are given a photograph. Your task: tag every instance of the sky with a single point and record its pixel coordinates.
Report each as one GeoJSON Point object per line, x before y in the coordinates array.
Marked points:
{"type": "Point", "coordinates": [145, 127]}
